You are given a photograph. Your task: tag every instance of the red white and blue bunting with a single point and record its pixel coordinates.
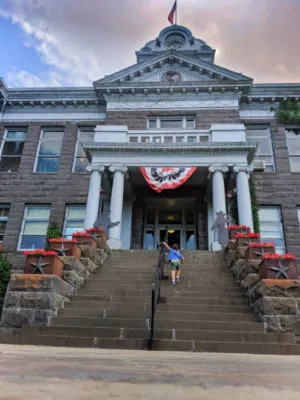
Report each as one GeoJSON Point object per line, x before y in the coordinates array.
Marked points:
{"type": "Point", "coordinates": [166, 178]}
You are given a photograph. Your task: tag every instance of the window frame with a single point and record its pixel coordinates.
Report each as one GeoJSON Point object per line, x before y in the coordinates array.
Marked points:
{"type": "Point", "coordinates": [278, 208]}
{"type": "Point", "coordinates": [4, 219]}
{"type": "Point", "coordinates": [26, 219]}
{"type": "Point", "coordinates": [66, 219]}
{"type": "Point", "coordinates": [79, 131]}
{"type": "Point", "coordinates": [43, 130]}
{"type": "Point", "coordinates": [292, 155]}
{"type": "Point", "coordinates": [183, 119]}
{"type": "Point", "coordinates": [4, 140]}
{"type": "Point", "coordinates": [261, 157]}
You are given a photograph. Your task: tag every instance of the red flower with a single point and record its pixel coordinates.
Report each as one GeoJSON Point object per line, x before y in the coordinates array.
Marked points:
{"type": "Point", "coordinates": [81, 234]}
{"type": "Point", "coordinates": [264, 244]}
{"type": "Point", "coordinates": [279, 256]}
{"type": "Point", "coordinates": [95, 230]}
{"type": "Point", "coordinates": [238, 227]}
{"type": "Point", "coordinates": [62, 240]}
{"type": "Point", "coordinates": [247, 235]}
{"type": "Point", "coordinates": [40, 252]}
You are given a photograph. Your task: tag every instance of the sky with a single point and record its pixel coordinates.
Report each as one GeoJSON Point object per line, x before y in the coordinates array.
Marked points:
{"type": "Point", "coordinates": [75, 42]}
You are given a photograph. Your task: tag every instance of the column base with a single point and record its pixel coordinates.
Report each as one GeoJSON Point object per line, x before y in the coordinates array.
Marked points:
{"type": "Point", "coordinates": [216, 246]}
{"type": "Point", "coordinates": [114, 244]}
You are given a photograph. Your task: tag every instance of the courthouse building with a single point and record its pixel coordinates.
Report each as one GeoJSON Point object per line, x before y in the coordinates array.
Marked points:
{"type": "Point", "coordinates": [175, 117]}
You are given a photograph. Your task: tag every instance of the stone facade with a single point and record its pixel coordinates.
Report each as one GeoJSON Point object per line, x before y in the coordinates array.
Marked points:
{"type": "Point", "coordinates": [214, 96]}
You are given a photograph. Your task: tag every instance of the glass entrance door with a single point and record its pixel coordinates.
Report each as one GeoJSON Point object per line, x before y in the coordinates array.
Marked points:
{"type": "Point", "coordinates": [175, 222]}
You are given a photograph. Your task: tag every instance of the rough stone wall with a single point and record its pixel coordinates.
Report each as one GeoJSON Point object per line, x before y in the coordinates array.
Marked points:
{"type": "Point", "coordinates": [26, 187]}
{"type": "Point", "coordinates": [204, 118]}
{"type": "Point", "coordinates": [281, 188]}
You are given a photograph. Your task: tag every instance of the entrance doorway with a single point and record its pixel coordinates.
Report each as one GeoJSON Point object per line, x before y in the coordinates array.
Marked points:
{"type": "Point", "coordinates": [172, 220]}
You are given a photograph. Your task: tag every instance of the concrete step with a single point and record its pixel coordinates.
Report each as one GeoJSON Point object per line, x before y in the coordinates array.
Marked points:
{"type": "Point", "coordinates": [204, 316]}
{"type": "Point", "coordinates": [227, 347]}
{"type": "Point", "coordinates": [133, 308]}
{"type": "Point", "coordinates": [170, 334]}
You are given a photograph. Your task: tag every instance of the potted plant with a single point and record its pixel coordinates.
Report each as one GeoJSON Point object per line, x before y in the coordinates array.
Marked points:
{"type": "Point", "coordinates": [233, 229]}
{"type": "Point", "coordinates": [84, 238]}
{"type": "Point", "coordinates": [256, 250]}
{"type": "Point", "coordinates": [278, 266]}
{"type": "Point", "coordinates": [65, 247]}
{"type": "Point", "coordinates": [244, 239]}
{"type": "Point", "coordinates": [97, 233]}
{"type": "Point", "coordinates": [43, 262]}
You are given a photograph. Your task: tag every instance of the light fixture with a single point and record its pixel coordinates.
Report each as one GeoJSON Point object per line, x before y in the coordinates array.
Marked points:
{"type": "Point", "coordinates": [171, 231]}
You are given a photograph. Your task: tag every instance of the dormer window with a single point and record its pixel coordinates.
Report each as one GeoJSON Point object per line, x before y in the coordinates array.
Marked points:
{"type": "Point", "coordinates": [188, 122]}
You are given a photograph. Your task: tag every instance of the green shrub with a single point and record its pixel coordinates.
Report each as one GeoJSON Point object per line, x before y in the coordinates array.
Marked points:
{"type": "Point", "coordinates": [5, 271]}
{"type": "Point", "coordinates": [54, 232]}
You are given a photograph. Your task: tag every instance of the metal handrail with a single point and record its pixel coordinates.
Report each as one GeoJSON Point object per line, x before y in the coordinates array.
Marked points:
{"type": "Point", "coordinates": [155, 296]}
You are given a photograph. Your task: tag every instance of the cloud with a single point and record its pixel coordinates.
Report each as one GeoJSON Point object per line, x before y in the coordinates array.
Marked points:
{"type": "Point", "coordinates": [80, 41]}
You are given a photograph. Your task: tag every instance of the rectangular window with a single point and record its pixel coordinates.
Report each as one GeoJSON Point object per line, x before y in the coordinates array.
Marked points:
{"type": "Point", "coordinates": [271, 228]}
{"type": "Point", "coordinates": [204, 139]}
{"type": "Point", "coordinates": [261, 136]}
{"type": "Point", "coordinates": [133, 139]}
{"type": "Point", "coordinates": [172, 123]}
{"type": "Point", "coordinates": [179, 139]}
{"type": "Point", "coordinates": [168, 139]}
{"type": "Point", "coordinates": [293, 144]}
{"type": "Point", "coordinates": [4, 211]}
{"type": "Point", "coordinates": [145, 139]}
{"type": "Point", "coordinates": [49, 151]}
{"type": "Point", "coordinates": [12, 149]}
{"type": "Point", "coordinates": [74, 219]}
{"type": "Point", "coordinates": [156, 139]}
{"type": "Point", "coordinates": [34, 227]}
{"type": "Point", "coordinates": [81, 161]}
{"type": "Point", "coordinates": [192, 139]}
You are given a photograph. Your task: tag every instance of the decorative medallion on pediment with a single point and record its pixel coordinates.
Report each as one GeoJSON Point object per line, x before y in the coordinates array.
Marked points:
{"type": "Point", "coordinates": [175, 40]}
{"type": "Point", "coordinates": [171, 77]}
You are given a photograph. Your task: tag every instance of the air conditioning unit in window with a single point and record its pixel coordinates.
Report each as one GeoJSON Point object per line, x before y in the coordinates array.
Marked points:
{"type": "Point", "coordinates": [259, 165]}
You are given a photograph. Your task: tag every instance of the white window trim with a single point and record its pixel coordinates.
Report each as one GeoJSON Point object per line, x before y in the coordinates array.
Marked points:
{"type": "Point", "coordinates": [261, 156]}
{"type": "Point", "coordinates": [4, 219]}
{"type": "Point", "coordinates": [5, 136]}
{"type": "Point", "coordinates": [25, 220]}
{"type": "Point", "coordinates": [67, 213]}
{"type": "Point", "coordinates": [79, 130]}
{"type": "Point", "coordinates": [39, 146]}
{"type": "Point", "coordinates": [272, 220]}
{"type": "Point", "coordinates": [166, 118]}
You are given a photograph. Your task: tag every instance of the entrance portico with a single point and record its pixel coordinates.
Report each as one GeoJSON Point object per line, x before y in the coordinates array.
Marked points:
{"type": "Point", "coordinates": [226, 154]}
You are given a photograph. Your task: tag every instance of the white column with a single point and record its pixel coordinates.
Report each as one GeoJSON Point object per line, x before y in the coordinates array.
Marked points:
{"type": "Point", "coordinates": [116, 205]}
{"type": "Point", "coordinates": [243, 196]}
{"type": "Point", "coordinates": [218, 195]}
{"type": "Point", "coordinates": [92, 206]}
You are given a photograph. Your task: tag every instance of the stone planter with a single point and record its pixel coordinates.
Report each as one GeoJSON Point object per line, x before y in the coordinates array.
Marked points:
{"type": "Point", "coordinates": [44, 265]}
{"type": "Point", "coordinates": [278, 269]}
{"type": "Point", "coordinates": [255, 253]}
{"type": "Point", "coordinates": [233, 231]}
{"type": "Point", "coordinates": [66, 249]}
{"type": "Point", "coordinates": [85, 240]}
{"type": "Point", "coordinates": [245, 241]}
{"type": "Point", "coordinates": [97, 233]}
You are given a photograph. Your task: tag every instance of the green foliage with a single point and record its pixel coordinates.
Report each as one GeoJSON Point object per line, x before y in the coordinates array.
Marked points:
{"type": "Point", "coordinates": [54, 232]}
{"type": "Point", "coordinates": [234, 210]}
{"type": "Point", "coordinates": [289, 112]}
{"type": "Point", "coordinates": [5, 271]}
{"type": "Point", "coordinates": [254, 205]}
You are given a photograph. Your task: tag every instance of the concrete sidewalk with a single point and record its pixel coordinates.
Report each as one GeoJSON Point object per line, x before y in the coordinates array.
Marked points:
{"type": "Point", "coordinates": [44, 373]}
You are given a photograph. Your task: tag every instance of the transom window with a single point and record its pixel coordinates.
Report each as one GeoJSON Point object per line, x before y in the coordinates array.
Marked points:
{"type": "Point", "coordinates": [34, 227]}
{"type": "Point", "coordinates": [83, 135]}
{"type": "Point", "coordinates": [293, 144]}
{"type": "Point", "coordinates": [169, 138]}
{"type": "Point", "coordinates": [74, 220]}
{"type": "Point", "coordinates": [261, 136]}
{"type": "Point", "coordinates": [11, 149]}
{"type": "Point", "coordinates": [49, 151]}
{"type": "Point", "coordinates": [271, 228]}
{"type": "Point", "coordinates": [4, 211]}
{"type": "Point", "coordinates": [172, 122]}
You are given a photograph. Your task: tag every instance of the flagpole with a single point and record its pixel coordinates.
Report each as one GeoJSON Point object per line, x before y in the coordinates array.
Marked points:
{"type": "Point", "coordinates": [176, 11]}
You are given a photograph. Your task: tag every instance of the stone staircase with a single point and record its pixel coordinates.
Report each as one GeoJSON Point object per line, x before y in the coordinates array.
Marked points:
{"type": "Point", "coordinates": [206, 311]}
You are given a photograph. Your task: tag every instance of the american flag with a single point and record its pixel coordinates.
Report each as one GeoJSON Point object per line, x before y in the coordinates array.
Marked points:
{"type": "Point", "coordinates": [172, 13]}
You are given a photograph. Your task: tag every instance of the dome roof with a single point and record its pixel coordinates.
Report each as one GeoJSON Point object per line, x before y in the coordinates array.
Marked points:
{"type": "Point", "coordinates": [177, 38]}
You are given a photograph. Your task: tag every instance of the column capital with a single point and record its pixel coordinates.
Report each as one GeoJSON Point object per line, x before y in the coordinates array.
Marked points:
{"type": "Point", "coordinates": [242, 168]}
{"type": "Point", "coordinates": [95, 167]}
{"type": "Point", "coordinates": [217, 168]}
{"type": "Point", "coordinates": [118, 168]}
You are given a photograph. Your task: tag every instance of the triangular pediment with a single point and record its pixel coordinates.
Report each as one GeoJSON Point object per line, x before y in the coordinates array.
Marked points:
{"type": "Point", "coordinates": [172, 68]}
